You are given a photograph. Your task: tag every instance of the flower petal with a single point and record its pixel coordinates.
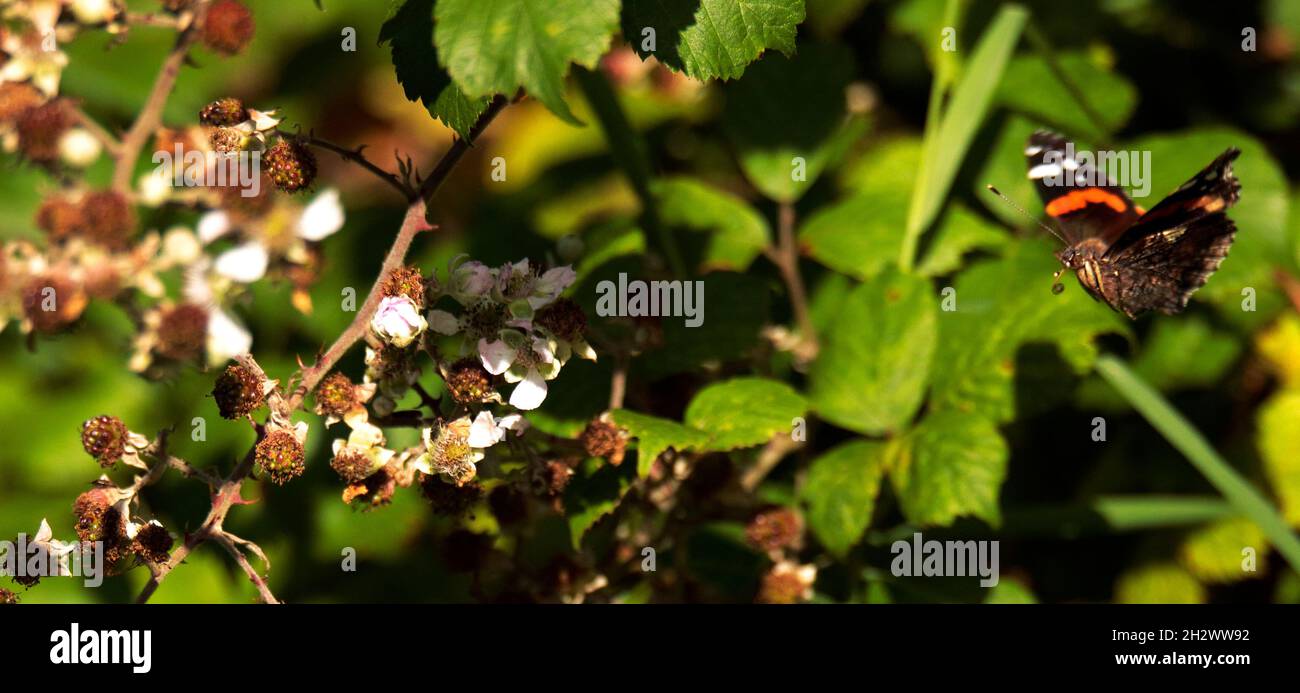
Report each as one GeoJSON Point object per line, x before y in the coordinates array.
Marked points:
{"type": "Point", "coordinates": [530, 392]}
{"type": "Point", "coordinates": [226, 337]}
{"type": "Point", "coordinates": [322, 217]}
{"type": "Point", "coordinates": [484, 433]}
{"type": "Point", "coordinates": [442, 322]}
{"type": "Point", "coordinates": [214, 225]}
{"type": "Point", "coordinates": [496, 356]}
{"type": "Point", "coordinates": [244, 264]}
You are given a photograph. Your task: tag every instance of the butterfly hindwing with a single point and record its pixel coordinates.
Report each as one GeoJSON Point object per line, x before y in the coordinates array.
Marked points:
{"type": "Point", "coordinates": [1162, 269]}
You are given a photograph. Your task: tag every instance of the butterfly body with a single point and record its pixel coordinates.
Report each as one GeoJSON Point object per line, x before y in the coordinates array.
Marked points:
{"type": "Point", "coordinates": [1132, 259]}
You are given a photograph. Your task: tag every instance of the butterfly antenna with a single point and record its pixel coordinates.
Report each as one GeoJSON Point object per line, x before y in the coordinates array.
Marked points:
{"type": "Point", "coordinates": [1026, 215]}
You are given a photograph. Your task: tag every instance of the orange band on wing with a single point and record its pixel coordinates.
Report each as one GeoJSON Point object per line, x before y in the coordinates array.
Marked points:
{"type": "Point", "coordinates": [1082, 198]}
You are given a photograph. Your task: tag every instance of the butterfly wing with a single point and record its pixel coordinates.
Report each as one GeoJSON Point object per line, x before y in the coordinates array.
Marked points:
{"type": "Point", "coordinates": [1160, 271]}
{"type": "Point", "coordinates": [1173, 249]}
{"type": "Point", "coordinates": [1084, 203]}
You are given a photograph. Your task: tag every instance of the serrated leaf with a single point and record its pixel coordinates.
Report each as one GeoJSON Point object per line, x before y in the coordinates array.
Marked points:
{"type": "Point", "coordinates": [743, 412]}
{"type": "Point", "coordinates": [1159, 583]}
{"type": "Point", "coordinates": [1030, 87]}
{"type": "Point", "coordinates": [951, 465]}
{"type": "Point", "coordinates": [1278, 439]}
{"type": "Point", "coordinates": [712, 39]}
{"type": "Point", "coordinates": [1001, 305]}
{"type": "Point", "coordinates": [409, 32]}
{"type": "Point", "coordinates": [959, 232]}
{"type": "Point", "coordinates": [859, 236]}
{"type": "Point", "coordinates": [1215, 553]}
{"type": "Point", "coordinates": [841, 493]}
{"type": "Point", "coordinates": [872, 372]}
{"type": "Point", "coordinates": [499, 46]}
{"type": "Point", "coordinates": [811, 86]}
{"type": "Point", "coordinates": [655, 435]}
{"type": "Point", "coordinates": [594, 492]}
{"type": "Point", "coordinates": [737, 232]}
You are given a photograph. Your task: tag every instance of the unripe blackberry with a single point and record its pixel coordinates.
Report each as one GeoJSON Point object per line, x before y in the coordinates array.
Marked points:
{"type": "Point", "coordinates": [290, 165]}
{"type": "Point", "coordinates": [228, 27]}
{"type": "Point", "coordinates": [405, 281]}
{"type": "Point", "coordinates": [336, 396]}
{"type": "Point", "coordinates": [787, 583]}
{"type": "Point", "coordinates": [352, 466]}
{"type": "Point", "coordinates": [281, 456]}
{"type": "Point", "coordinates": [468, 382]}
{"type": "Point", "coordinates": [182, 332]}
{"type": "Point", "coordinates": [104, 438]}
{"type": "Point", "coordinates": [238, 391]}
{"type": "Point", "coordinates": [154, 543]}
{"type": "Point", "coordinates": [564, 318]}
{"type": "Point", "coordinates": [450, 500]}
{"type": "Point", "coordinates": [16, 98]}
{"type": "Point", "coordinates": [40, 128]}
{"type": "Point", "coordinates": [223, 113]}
{"type": "Point", "coordinates": [52, 302]}
{"type": "Point", "coordinates": [90, 509]}
{"type": "Point", "coordinates": [603, 439]}
{"type": "Point", "coordinates": [243, 208]}
{"type": "Point", "coordinates": [775, 529]}
{"type": "Point", "coordinates": [60, 217]}
{"type": "Point", "coordinates": [109, 219]}
{"type": "Point", "coordinates": [7, 597]}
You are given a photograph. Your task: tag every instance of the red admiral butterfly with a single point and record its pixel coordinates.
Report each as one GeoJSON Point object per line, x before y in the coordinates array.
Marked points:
{"type": "Point", "coordinates": [1132, 259]}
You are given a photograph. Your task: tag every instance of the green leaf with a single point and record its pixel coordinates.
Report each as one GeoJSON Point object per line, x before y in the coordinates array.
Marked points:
{"type": "Point", "coordinates": [1001, 305]}
{"type": "Point", "coordinates": [811, 88]}
{"type": "Point", "coordinates": [737, 232]}
{"type": "Point", "coordinates": [959, 232]}
{"type": "Point", "coordinates": [711, 39]}
{"type": "Point", "coordinates": [655, 435]}
{"type": "Point", "coordinates": [872, 373]}
{"type": "Point", "coordinates": [1030, 87]}
{"type": "Point", "coordinates": [1214, 553]}
{"type": "Point", "coordinates": [859, 236]}
{"type": "Point", "coordinates": [890, 165]}
{"type": "Point", "coordinates": [841, 493]}
{"type": "Point", "coordinates": [1278, 439]}
{"type": "Point", "coordinates": [736, 308]}
{"type": "Point", "coordinates": [743, 412]}
{"type": "Point", "coordinates": [946, 145]}
{"type": "Point", "coordinates": [594, 492]}
{"type": "Point", "coordinates": [950, 465]}
{"type": "Point", "coordinates": [1178, 353]}
{"type": "Point", "coordinates": [1261, 244]}
{"type": "Point", "coordinates": [498, 46]}
{"type": "Point", "coordinates": [1159, 583]}
{"type": "Point", "coordinates": [409, 32]}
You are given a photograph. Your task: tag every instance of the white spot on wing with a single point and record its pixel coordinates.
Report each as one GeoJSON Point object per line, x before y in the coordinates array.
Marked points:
{"type": "Point", "coordinates": [1033, 150]}
{"type": "Point", "coordinates": [1044, 170]}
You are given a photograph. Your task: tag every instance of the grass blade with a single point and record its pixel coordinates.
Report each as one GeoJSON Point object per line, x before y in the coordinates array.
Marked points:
{"type": "Point", "coordinates": [945, 147]}
{"type": "Point", "coordinates": [1246, 499]}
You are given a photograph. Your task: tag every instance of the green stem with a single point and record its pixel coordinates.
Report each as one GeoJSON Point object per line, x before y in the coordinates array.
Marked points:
{"type": "Point", "coordinates": [630, 154]}
{"type": "Point", "coordinates": [1246, 499]}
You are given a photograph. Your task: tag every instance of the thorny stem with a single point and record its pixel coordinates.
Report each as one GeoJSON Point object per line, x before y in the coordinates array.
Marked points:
{"type": "Point", "coordinates": [151, 115]}
{"type": "Point", "coordinates": [357, 157]}
{"type": "Point", "coordinates": [227, 494]}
